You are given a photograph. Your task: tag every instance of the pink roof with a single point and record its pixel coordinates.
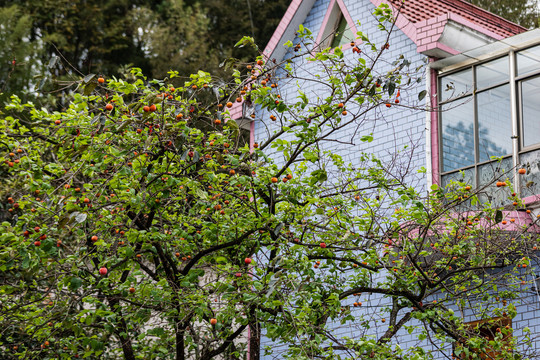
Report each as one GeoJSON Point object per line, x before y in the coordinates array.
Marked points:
{"type": "Point", "coordinates": [423, 21]}
{"type": "Point", "coordinates": [419, 10]}
{"type": "Point", "coordinates": [416, 15]}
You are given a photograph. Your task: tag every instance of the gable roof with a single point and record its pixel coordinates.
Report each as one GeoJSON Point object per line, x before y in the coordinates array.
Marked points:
{"type": "Point", "coordinates": [419, 10]}
{"type": "Point", "coordinates": [423, 21]}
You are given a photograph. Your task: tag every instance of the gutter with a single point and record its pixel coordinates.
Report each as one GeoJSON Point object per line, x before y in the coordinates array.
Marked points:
{"type": "Point", "coordinates": [429, 164]}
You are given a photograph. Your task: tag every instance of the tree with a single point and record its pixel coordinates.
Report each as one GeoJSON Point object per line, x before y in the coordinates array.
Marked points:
{"type": "Point", "coordinates": [142, 227]}
{"type": "Point", "coordinates": [80, 37]}
{"type": "Point", "coordinates": [16, 53]}
{"type": "Point", "coordinates": [522, 12]}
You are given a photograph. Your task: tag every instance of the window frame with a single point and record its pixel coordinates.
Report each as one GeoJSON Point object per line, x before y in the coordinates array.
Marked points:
{"type": "Point", "coordinates": [513, 80]}
{"type": "Point", "coordinates": [490, 324]}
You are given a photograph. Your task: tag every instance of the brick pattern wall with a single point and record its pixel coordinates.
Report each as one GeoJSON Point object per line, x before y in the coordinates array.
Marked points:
{"type": "Point", "coordinates": [397, 129]}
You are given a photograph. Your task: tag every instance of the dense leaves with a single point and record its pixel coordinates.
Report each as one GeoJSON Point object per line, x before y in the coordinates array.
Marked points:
{"type": "Point", "coordinates": [141, 224]}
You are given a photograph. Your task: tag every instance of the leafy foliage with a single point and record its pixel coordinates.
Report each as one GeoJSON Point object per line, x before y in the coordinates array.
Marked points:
{"type": "Point", "coordinates": [142, 226]}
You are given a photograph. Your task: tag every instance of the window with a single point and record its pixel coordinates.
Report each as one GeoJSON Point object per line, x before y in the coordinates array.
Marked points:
{"type": "Point", "coordinates": [476, 123]}
{"type": "Point", "coordinates": [491, 329]}
{"type": "Point", "coordinates": [343, 34]}
{"type": "Point", "coordinates": [336, 30]}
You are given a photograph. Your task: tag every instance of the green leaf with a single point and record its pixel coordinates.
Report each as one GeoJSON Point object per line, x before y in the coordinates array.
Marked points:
{"type": "Point", "coordinates": [88, 78]}
{"type": "Point", "coordinates": [498, 216]}
{"type": "Point", "coordinates": [75, 283]}
{"type": "Point", "coordinates": [422, 94]}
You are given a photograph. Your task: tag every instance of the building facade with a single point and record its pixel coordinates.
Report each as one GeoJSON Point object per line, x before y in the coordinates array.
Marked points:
{"type": "Point", "coordinates": [480, 76]}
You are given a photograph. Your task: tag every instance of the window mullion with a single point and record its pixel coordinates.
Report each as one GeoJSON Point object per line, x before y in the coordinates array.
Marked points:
{"type": "Point", "coordinates": [514, 119]}
{"type": "Point", "coordinates": [476, 135]}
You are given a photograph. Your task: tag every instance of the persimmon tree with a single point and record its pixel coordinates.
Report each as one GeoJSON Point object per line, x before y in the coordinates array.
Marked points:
{"type": "Point", "coordinates": [142, 226]}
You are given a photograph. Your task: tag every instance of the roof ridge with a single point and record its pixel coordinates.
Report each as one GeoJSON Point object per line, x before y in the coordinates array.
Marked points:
{"type": "Point", "coordinates": [511, 25]}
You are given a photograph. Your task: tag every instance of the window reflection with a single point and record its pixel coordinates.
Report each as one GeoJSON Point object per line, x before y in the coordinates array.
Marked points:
{"type": "Point", "coordinates": [528, 60]}
{"type": "Point", "coordinates": [458, 134]}
{"type": "Point", "coordinates": [530, 111]}
{"type": "Point", "coordinates": [491, 73]}
{"type": "Point", "coordinates": [494, 123]}
{"type": "Point", "coordinates": [457, 84]}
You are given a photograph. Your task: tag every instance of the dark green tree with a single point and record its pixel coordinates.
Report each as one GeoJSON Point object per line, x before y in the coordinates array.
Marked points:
{"type": "Point", "coordinates": [522, 12]}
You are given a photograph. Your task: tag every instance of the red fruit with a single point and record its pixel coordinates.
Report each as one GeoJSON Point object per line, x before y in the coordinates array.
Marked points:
{"type": "Point", "coordinates": [94, 238]}
{"type": "Point", "coordinates": [213, 321]}
{"type": "Point", "coordinates": [146, 108]}
{"type": "Point", "coordinates": [58, 122]}
{"type": "Point", "coordinates": [100, 80]}
{"type": "Point", "coordinates": [323, 245]}
{"type": "Point", "coordinates": [238, 274]}
{"type": "Point", "coordinates": [109, 107]}
{"type": "Point", "coordinates": [274, 180]}
{"type": "Point", "coordinates": [229, 104]}
{"type": "Point", "coordinates": [153, 107]}
{"type": "Point", "coordinates": [132, 290]}
{"type": "Point", "coordinates": [522, 171]}
{"type": "Point", "coordinates": [247, 261]}
{"type": "Point", "coordinates": [37, 243]}
{"type": "Point", "coordinates": [43, 237]}
{"type": "Point", "coordinates": [260, 62]}
{"type": "Point", "coordinates": [103, 271]}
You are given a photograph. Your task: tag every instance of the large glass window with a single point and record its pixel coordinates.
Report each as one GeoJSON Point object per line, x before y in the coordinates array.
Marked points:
{"type": "Point", "coordinates": [494, 123]}
{"type": "Point", "coordinates": [458, 134]}
{"type": "Point", "coordinates": [530, 111]}
{"type": "Point", "coordinates": [476, 123]}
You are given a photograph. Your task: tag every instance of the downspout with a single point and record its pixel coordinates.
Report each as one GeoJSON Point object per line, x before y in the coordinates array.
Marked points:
{"type": "Point", "coordinates": [514, 118]}
{"type": "Point", "coordinates": [429, 165]}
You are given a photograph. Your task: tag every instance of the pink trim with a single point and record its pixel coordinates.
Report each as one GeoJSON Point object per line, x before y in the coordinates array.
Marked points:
{"type": "Point", "coordinates": [437, 45]}
{"type": "Point", "coordinates": [531, 200]}
{"type": "Point", "coordinates": [406, 26]}
{"type": "Point", "coordinates": [325, 22]}
{"type": "Point", "coordinates": [280, 30]}
{"type": "Point", "coordinates": [477, 27]}
{"type": "Point", "coordinates": [236, 110]}
{"type": "Point", "coordinates": [434, 96]}
{"type": "Point", "coordinates": [251, 136]}
{"type": "Point", "coordinates": [326, 19]}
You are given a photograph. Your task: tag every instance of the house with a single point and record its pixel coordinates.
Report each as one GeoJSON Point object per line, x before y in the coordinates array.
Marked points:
{"type": "Point", "coordinates": [482, 87]}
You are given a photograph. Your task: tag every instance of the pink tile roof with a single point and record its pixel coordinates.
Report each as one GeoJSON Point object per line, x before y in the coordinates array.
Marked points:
{"type": "Point", "coordinates": [419, 10]}
{"type": "Point", "coordinates": [423, 21]}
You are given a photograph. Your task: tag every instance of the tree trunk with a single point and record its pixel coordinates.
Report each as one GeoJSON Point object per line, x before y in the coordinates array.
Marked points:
{"type": "Point", "coordinates": [254, 341]}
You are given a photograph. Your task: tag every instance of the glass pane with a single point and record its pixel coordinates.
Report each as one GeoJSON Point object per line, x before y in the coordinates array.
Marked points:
{"type": "Point", "coordinates": [343, 34]}
{"type": "Point", "coordinates": [456, 84]}
{"type": "Point", "coordinates": [494, 123]}
{"type": "Point", "coordinates": [530, 182]}
{"type": "Point", "coordinates": [465, 176]}
{"type": "Point", "coordinates": [530, 111]}
{"type": "Point", "coordinates": [492, 73]}
{"type": "Point", "coordinates": [528, 60]}
{"type": "Point", "coordinates": [457, 125]}
{"type": "Point", "coordinates": [488, 175]}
